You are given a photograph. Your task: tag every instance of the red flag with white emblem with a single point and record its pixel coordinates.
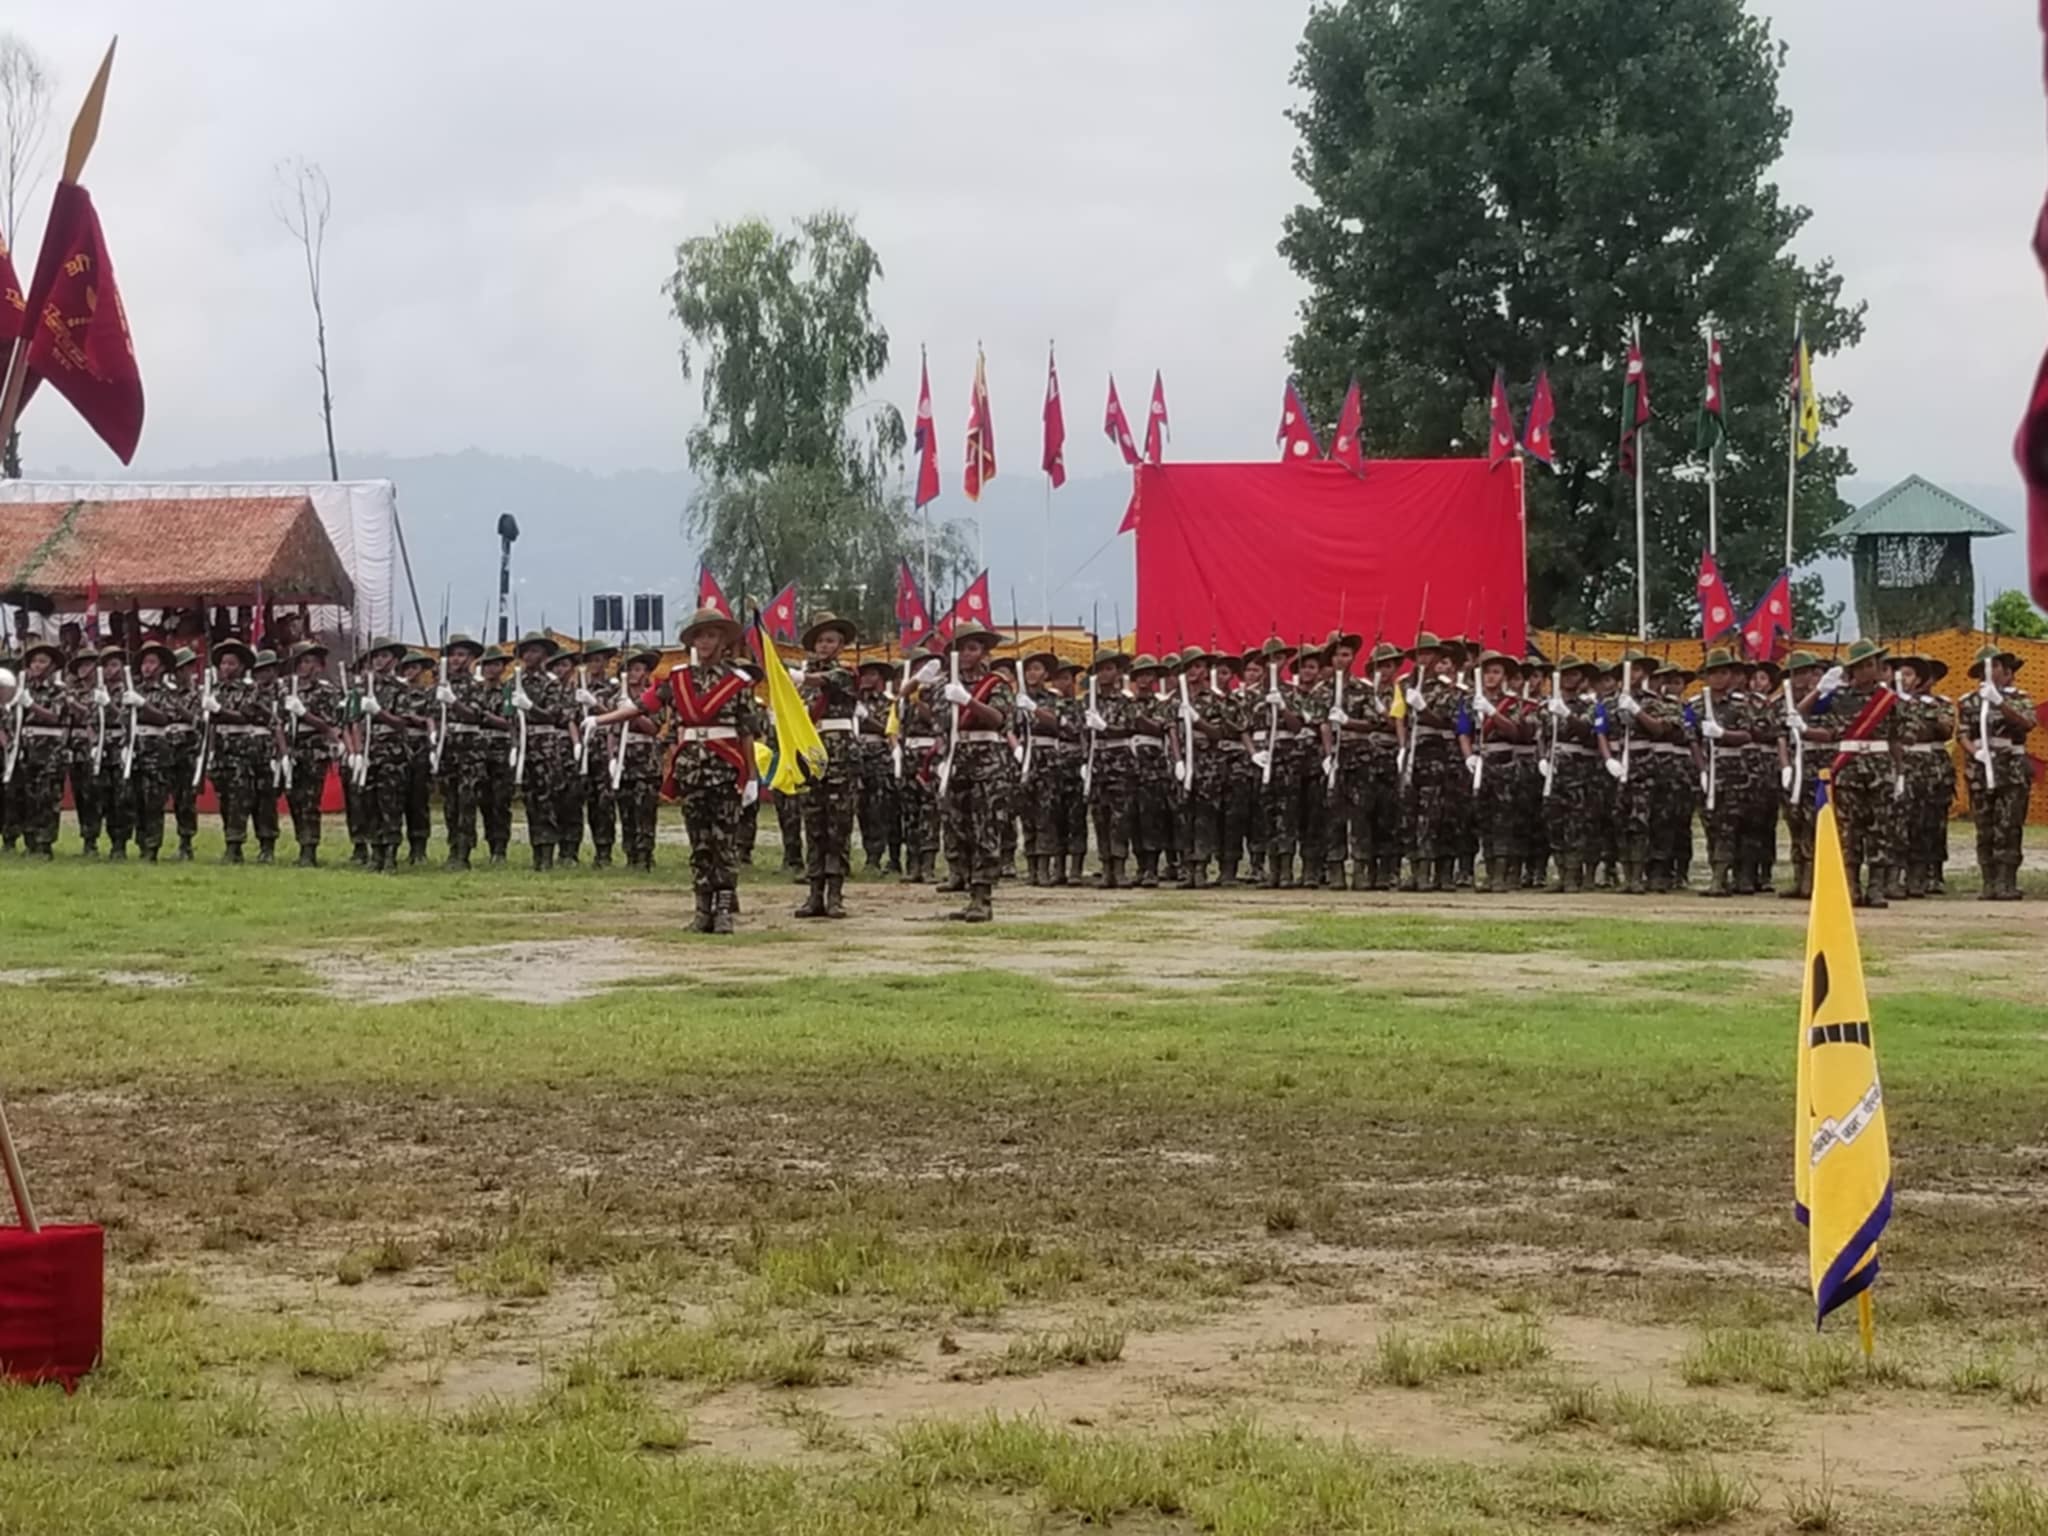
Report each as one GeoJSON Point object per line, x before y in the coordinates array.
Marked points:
{"type": "Point", "coordinates": [1500, 441]}
{"type": "Point", "coordinates": [1348, 446]}
{"type": "Point", "coordinates": [1542, 413]}
{"type": "Point", "coordinates": [13, 305]}
{"type": "Point", "coordinates": [913, 616]}
{"type": "Point", "coordinates": [1054, 459]}
{"type": "Point", "coordinates": [927, 438]}
{"type": "Point", "coordinates": [971, 607]}
{"type": "Point", "coordinates": [1717, 608]}
{"type": "Point", "coordinates": [1117, 427]}
{"type": "Point", "coordinates": [709, 593]}
{"type": "Point", "coordinates": [981, 433]}
{"type": "Point", "coordinates": [1297, 434]}
{"type": "Point", "coordinates": [1766, 630]}
{"type": "Point", "coordinates": [1156, 427]}
{"type": "Point", "coordinates": [781, 615]}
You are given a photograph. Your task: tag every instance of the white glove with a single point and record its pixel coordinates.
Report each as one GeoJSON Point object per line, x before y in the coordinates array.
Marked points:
{"type": "Point", "coordinates": [1785, 778]}
{"type": "Point", "coordinates": [1018, 753]}
{"type": "Point", "coordinates": [520, 701]}
{"type": "Point", "coordinates": [927, 674]}
{"type": "Point", "coordinates": [583, 696]}
{"type": "Point", "coordinates": [1559, 710]}
{"type": "Point", "coordinates": [100, 696]}
{"type": "Point", "coordinates": [1414, 697]}
{"type": "Point", "coordinates": [956, 693]}
{"type": "Point", "coordinates": [1473, 764]}
{"type": "Point", "coordinates": [1180, 773]}
{"type": "Point", "coordinates": [1898, 786]}
{"type": "Point", "coordinates": [1614, 768]}
{"type": "Point", "coordinates": [444, 693]}
{"type": "Point", "coordinates": [1261, 758]}
{"type": "Point", "coordinates": [1990, 692]}
{"type": "Point", "coordinates": [796, 675]}
{"type": "Point", "coordinates": [294, 706]}
{"type": "Point", "coordinates": [1338, 717]}
{"type": "Point", "coordinates": [1832, 679]}
{"type": "Point", "coordinates": [860, 712]}
{"type": "Point", "coordinates": [353, 761]}
{"type": "Point", "coordinates": [750, 792]}
{"type": "Point", "coordinates": [1273, 698]}
{"type": "Point", "coordinates": [1482, 708]}
{"type": "Point", "coordinates": [1087, 778]}
{"type": "Point", "coordinates": [130, 697]}
{"type": "Point", "coordinates": [1187, 714]}
{"type": "Point", "coordinates": [1796, 724]}
{"type": "Point", "coordinates": [371, 707]}
{"type": "Point", "coordinates": [1703, 781]}
{"type": "Point", "coordinates": [1713, 730]}
{"type": "Point", "coordinates": [1546, 767]}
{"type": "Point", "coordinates": [1094, 721]}
{"type": "Point", "coordinates": [1630, 705]}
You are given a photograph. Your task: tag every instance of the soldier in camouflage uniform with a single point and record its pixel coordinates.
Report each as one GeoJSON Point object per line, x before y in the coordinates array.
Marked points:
{"type": "Point", "coordinates": [831, 692]}
{"type": "Point", "coordinates": [978, 784]}
{"type": "Point", "coordinates": [881, 828]}
{"type": "Point", "coordinates": [1312, 792]}
{"type": "Point", "coordinates": [594, 688]}
{"type": "Point", "coordinates": [1070, 753]}
{"type": "Point", "coordinates": [1760, 827]}
{"type": "Point", "coordinates": [1499, 730]}
{"type": "Point", "coordinates": [639, 793]}
{"type": "Point", "coordinates": [1623, 745]}
{"type": "Point", "coordinates": [1927, 724]}
{"type": "Point", "coordinates": [1368, 780]}
{"type": "Point", "coordinates": [87, 708]}
{"type": "Point", "coordinates": [497, 732]}
{"type": "Point", "coordinates": [181, 750]}
{"type": "Point", "coordinates": [1275, 725]}
{"type": "Point", "coordinates": [1161, 699]}
{"type": "Point", "coordinates": [1153, 719]}
{"type": "Point", "coordinates": [153, 696]}
{"type": "Point", "coordinates": [465, 708]}
{"type": "Point", "coordinates": [417, 713]}
{"type": "Point", "coordinates": [1257, 679]}
{"type": "Point", "coordinates": [38, 755]}
{"type": "Point", "coordinates": [114, 788]}
{"type": "Point", "coordinates": [1203, 722]}
{"type": "Point", "coordinates": [1866, 785]}
{"type": "Point", "coordinates": [1995, 722]}
{"type": "Point", "coordinates": [263, 818]}
{"type": "Point", "coordinates": [1243, 842]}
{"type": "Point", "coordinates": [1037, 792]}
{"type": "Point", "coordinates": [566, 668]}
{"type": "Point", "coordinates": [1606, 799]}
{"type": "Point", "coordinates": [1341, 758]}
{"type": "Point", "coordinates": [311, 709]}
{"type": "Point", "coordinates": [1571, 773]}
{"type": "Point", "coordinates": [1665, 745]}
{"type": "Point", "coordinates": [1726, 723]}
{"type": "Point", "coordinates": [1460, 806]}
{"type": "Point", "coordinates": [717, 723]}
{"type": "Point", "coordinates": [380, 748]}
{"type": "Point", "coordinates": [917, 740]}
{"type": "Point", "coordinates": [544, 711]}
{"type": "Point", "coordinates": [234, 740]}
{"type": "Point", "coordinates": [1804, 749]}
{"type": "Point", "coordinates": [1438, 744]}
{"type": "Point", "coordinates": [1109, 771]}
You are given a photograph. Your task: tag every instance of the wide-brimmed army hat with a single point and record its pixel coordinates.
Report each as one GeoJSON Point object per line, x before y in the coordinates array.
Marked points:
{"type": "Point", "coordinates": [1720, 658]}
{"type": "Point", "coordinates": [184, 656]}
{"type": "Point", "coordinates": [263, 658]}
{"type": "Point", "coordinates": [597, 648]}
{"type": "Point", "coordinates": [229, 647]}
{"type": "Point", "coordinates": [1111, 658]}
{"type": "Point", "coordinates": [708, 618]}
{"type": "Point", "coordinates": [1490, 658]}
{"type": "Point", "coordinates": [86, 658]}
{"type": "Point", "coordinates": [1146, 662]}
{"type": "Point", "coordinates": [646, 653]}
{"type": "Point", "coordinates": [1765, 664]}
{"type": "Point", "coordinates": [1803, 661]}
{"type": "Point", "coordinates": [1190, 654]}
{"type": "Point", "coordinates": [385, 643]}
{"type": "Point", "coordinates": [494, 656]}
{"type": "Point", "coordinates": [988, 637]}
{"type": "Point", "coordinates": [1991, 653]}
{"type": "Point", "coordinates": [829, 622]}
{"type": "Point", "coordinates": [413, 659]}
{"type": "Point", "coordinates": [1386, 651]}
{"type": "Point", "coordinates": [1344, 639]}
{"type": "Point", "coordinates": [1865, 650]}
{"type": "Point", "coordinates": [1067, 669]}
{"type": "Point", "coordinates": [157, 647]}
{"type": "Point", "coordinates": [307, 648]}
{"type": "Point", "coordinates": [1570, 663]}
{"type": "Point", "coordinates": [533, 637]}
{"type": "Point", "coordinates": [49, 648]}
{"type": "Point", "coordinates": [1051, 658]}
{"type": "Point", "coordinates": [1424, 641]}
{"type": "Point", "coordinates": [1277, 651]}
{"type": "Point", "coordinates": [879, 664]}
{"type": "Point", "coordinates": [114, 652]}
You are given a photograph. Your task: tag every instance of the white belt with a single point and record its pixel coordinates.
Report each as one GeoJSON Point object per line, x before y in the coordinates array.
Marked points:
{"type": "Point", "coordinates": [149, 730]}
{"type": "Point", "coordinates": [2008, 746]}
{"type": "Point", "coordinates": [546, 730]}
{"type": "Point", "coordinates": [920, 743]}
{"type": "Point", "coordinates": [1500, 746]}
{"type": "Point", "coordinates": [1229, 746]}
{"type": "Point", "coordinates": [1282, 735]}
{"type": "Point", "coordinates": [1430, 732]}
{"type": "Point", "coordinates": [1573, 749]}
{"type": "Point", "coordinates": [835, 725]}
{"type": "Point", "coordinates": [707, 733]}
{"type": "Point", "coordinates": [1156, 743]}
{"type": "Point", "coordinates": [1853, 747]}
{"type": "Point", "coordinates": [1666, 748]}
{"type": "Point", "coordinates": [979, 737]}
{"type": "Point", "coordinates": [241, 730]}
{"type": "Point", "coordinates": [1928, 746]}
{"type": "Point", "coordinates": [463, 730]}
{"type": "Point", "coordinates": [45, 730]}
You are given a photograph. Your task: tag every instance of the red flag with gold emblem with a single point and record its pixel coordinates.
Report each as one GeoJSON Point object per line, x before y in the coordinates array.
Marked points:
{"type": "Point", "coordinates": [1347, 447]}
{"type": "Point", "coordinates": [13, 306]}
{"type": "Point", "coordinates": [981, 434]}
{"type": "Point", "coordinates": [79, 340]}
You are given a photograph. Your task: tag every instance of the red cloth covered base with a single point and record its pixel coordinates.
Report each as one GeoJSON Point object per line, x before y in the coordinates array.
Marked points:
{"type": "Point", "coordinates": [52, 1303]}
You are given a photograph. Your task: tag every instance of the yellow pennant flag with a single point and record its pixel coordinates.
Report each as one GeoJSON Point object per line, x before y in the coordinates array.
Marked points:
{"type": "Point", "coordinates": [1808, 437]}
{"type": "Point", "coordinates": [799, 756]}
{"type": "Point", "coordinates": [1842, 1162]}
{"type": "Point", "coordinates": [1398, 710]}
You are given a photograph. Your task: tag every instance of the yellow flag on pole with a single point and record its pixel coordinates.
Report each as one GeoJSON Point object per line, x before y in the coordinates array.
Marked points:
{"type": "Point", "coordinates": [799, 756]}
{"type": "Point", "coordinates": [1808, 437]}
{"type": "Point", "coordinates": [1842, 1164]}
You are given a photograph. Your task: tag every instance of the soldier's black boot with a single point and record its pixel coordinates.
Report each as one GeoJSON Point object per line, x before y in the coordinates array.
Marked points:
{"type": "Point", "coordinates": [361, 855]}
{"type": "Point", "coordinates": [701, 923]}
{"type": "Point", "coordinates": [458, 857]}
{"type": "Point", "coordinates": [233, 855]}
{"type": "Point", "coordinates": [1874, 888]}
{"type": "Point", "coordinates": [1488, 879]}
{"type": "Point", "coordinates": [117, 851]}
{"type": "Point", "coordinates": [600, 855]}
{"type": "Point", "coordinates": [91, 850]}
{"type": "Point", "coordinates": [1227, 874]}
{"type": "Point", "coordinates": [835, 890]}
{"type": "Point", "coordinates": [955, 881]}
{"type": "Point", "coordinates": [497, 853]}
{"type": "Point", "coordinates": [1721, 882]}
{"type": "Point", "coordinates": [893, 864]}
{"type": "Point", "coordinates": [266, 850]}
{"type": "Point", "coordinates": [148, 855]}
{"type": "Point", "coordinates": [309, 855]}
{"type": "Point", "coordinates": [1113, 873]}
{"type": "Point", "coordinates": [873, 866]}
{"type": "Point", "coordinates": [724, 907]}
{"type": "Point", "coordinates": [1895, 887]}
{"type": "Point", "coordinates": [417, 852]}
{"type": "Point", "coordinates": [1148, 870]}
{"type": "Point", "coordinates": [542, 855]}
{"type": "Point", "coordinates": [813, 904]}
{"type": "Point", "coordinates": [1058, 865]}
{"type": "Point", "coordinates": [1037, 869]}
{"type": "Point", "coordinates": [979, 907]}
{"type": "Point", "coordinates": [1271, 879]}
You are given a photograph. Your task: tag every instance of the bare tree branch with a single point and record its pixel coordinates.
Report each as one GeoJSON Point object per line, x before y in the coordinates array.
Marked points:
{"type": "Point", "coordinates": [24, 124]}
{"type": "Point", "coordinates": [302, 204]}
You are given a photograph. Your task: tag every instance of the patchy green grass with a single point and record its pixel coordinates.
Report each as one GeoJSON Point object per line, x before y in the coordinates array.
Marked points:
{"type": "Point", "coordinates": [1697, 1495]}
{"type": "Point", "coordinates": [1403, 1359]}
{"type": "Point", "coordinates": [1033, 1354]}
{"type": "Point", "coordinates": [1646, 1421]}
{"type": "Point", "coordinates": [1588, 938]}
{"type": "Point", "coordinates": [2010, 1505]}
{"type": "Point", "coordinates": [1772, 1362]}
{"type": "Point", "coordinates": [732, 1348]}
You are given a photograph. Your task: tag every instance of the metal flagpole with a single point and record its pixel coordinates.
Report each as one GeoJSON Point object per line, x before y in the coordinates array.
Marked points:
{"type": "Point", "coordinates": [1642, 537]}
{"type": "Point", "coordinates": [1713, 468]}
{"type": "Point", "coordinates": [1792, 439]}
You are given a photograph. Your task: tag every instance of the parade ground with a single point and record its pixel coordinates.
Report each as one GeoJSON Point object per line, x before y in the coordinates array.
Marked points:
{"type": "Point", "coordinates": [503, 1203]}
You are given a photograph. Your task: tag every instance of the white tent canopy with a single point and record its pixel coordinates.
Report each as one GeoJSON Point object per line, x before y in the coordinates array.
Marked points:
{"type": "Point", "coordinates": [360, 516]}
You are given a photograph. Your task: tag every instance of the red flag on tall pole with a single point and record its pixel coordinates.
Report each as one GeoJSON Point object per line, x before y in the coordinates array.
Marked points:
{"type": "Point", "coordinates": [1054, 459]}
{"type": "Point", "coordinates": [1771, 622]}
{"type": "Point", "coordinates": [709, 593]}
{"type": "Point", "coordinates": [1536, 432]}
{"type": "Point", "coordinates": [981, 433]}
{"type": "Point", "coordinates": [1717, 608]}
{"type": "Point", "coordinates": [913, 615]}
{"type": "Point", "coordinates": [1156, 428]}
{"type": "Point", "coordinates": [2030, 443]}
{"type": "Point", "coordinates": [781, 615]}
{"type": "Point", "coordinates": [259, 621]}
{"type": "Point", "coordinates": [1117, 427]}
{"type": "Point", "coordinates": [970, 607]}
{"type": "Point", "coordinates": [92, 608]}
{"type": "Point", "coordinates": [927, 438]}
{"type": "Point", "coordinates": [13, 302]}
{"type": "Point", "coordinates": [1348, 446]}
{"type": "Point", "coordinates": [1500, 440]}
{"type": "Point", "coordinates": [1297, 434]}
{"type": "Point", "coordinates": [1635, 403]}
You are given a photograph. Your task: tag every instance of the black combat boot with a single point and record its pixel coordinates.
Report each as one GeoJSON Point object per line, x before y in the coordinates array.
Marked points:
{"type": "Point", "coordinates": [1148, 870]}
{"type": "Point", "coordinates": [724, 907]}
{"type": "Point", "coordinates": [497, 853]}
{"type": "Point", "coordinates": [1333, 876]}
{"type": "Point", "coordinates": [91, 850]}
{"type": "Point", "coordinates": [184, 849]}
{"type": "Point", "coordinates": [873, 866]}
{"type": "Point", "coordinates": [1271, 881]}
{"type": "Point", "coordinates": [893, 865]}
{"type": "Point", "coordinates": [835, 905]}
{"type": "Point", "coordinates": [1037, 870]}
{"type": "Point", "coordinates": [266, 850]}
{"type": "Point", "coordinates": [117, 851]}
{"type": "Point", "coordinates": [600, 855]}
{"type": "Point", "coordinates": [1721, 880]}
{"type": "Point", "coordinates": [543, 855]}
{"type": "Point", "coordinates": [417, 852]}
{"type": "Point", "coordinates": [979, 906]}
{"type": "Point", "coordinates": [1227, 872]}
{"type": "Point", "coordinates": [1875, 889]}
{"type": "Point", "coordinates": [309, 855]}
{"type": "Point", "coordinates": [814, 904]}
{"type": "Point", "coordinates": [701, 923]}
{"type": "Point", "coordinates": [232, 855]}
{"type": "Point", "coordinates": [361, 856]}
{"type": "Point", "coordinates": [1113, 872]}
{"type": "Point", "coordinates": [1058, 870]}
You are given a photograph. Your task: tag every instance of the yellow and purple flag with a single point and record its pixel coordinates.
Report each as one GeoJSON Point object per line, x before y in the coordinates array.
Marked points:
{"type": "Point", "coordinates": [1842, 1163]}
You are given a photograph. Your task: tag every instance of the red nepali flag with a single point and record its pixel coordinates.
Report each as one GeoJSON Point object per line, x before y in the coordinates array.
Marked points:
{"type": "Point", "coordinates": [13, 305]}
{"type": "Point", "coordinates": [259, 621]}
{"type": "Point", "coordinates": [80, 341]}
{"type": "Point", "coordinates": [709, 593]}
{"type": "Point", "coordinates": [981, 434]}
{"type": "Point", "coordinates": [1635, 404]}
{"type": "Point", "coordinates": [1297, 434]}
{"type": "Point", "coordinates": [92, 608]}
{"type": "Point", "coordinates": [1117, 427]}
{"type": "Point", "coordinates": [1156, 429]}
{"type": "Point", "coordinates": [781, 615]}
{"type": "Point", "coordinates": [1500, 442]}
{"type": "Point", "coordinates": [971, 607]}
{"type": "Point", "coordinates": [1054, 459]}
{"type": "Point", "coordinates": [1536, 432]}
{"type": "Point", "coordinates": [927, 439]}
{"type": "Point", "coordinates": [2030, 447]}
{"type": "Point", "coordinates": [1767, 630]}
{"type": "Point", "coordinates": [1348, 446]}
{"type": "Point", "coordinates": [913, 615]}
{"type": "Point", "coordinates": [1717, 608]}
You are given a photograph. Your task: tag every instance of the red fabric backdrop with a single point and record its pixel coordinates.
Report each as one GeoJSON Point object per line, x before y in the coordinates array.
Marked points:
{"type": "Point", "coordinates": [1231, 550]}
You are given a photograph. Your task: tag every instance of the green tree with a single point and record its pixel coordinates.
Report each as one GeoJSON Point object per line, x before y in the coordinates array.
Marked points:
{"type": "Point", "coordinates": [1507, 183]}
{"type": "Point", "coordinates": [802, 473]}
{"type": "Point", "coordinates": [2012, 614]}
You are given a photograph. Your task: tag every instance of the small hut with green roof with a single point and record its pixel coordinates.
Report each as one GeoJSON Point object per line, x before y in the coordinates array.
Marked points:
{"type": "Point", "coordinates": [1912, 560]}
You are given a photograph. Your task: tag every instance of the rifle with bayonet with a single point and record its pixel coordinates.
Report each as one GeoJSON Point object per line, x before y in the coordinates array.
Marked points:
{"type": "Point", "coordinates": [209, 702]}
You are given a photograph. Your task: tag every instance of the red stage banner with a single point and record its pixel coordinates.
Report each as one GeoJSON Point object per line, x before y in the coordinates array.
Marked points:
{"type": "Point", "coordinates": [1231, 550]}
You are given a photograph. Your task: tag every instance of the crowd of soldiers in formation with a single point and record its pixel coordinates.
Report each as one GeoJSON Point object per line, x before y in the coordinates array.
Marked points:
{"type": "Point", "coordinates": [1442, 766]}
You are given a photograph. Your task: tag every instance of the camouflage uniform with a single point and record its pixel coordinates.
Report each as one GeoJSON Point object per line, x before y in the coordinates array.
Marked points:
{"type": "Point", "coordinates": [831, 692]}
{"type": "Point", "coordinates": [881, 825]}
{"type": "Point", "coordinates": [1370, 780]}
{"type": "Point", "coordinates": [600, 804]}
{"type": "Point", "coordinates": [467, 747]}
{"type": "Point", "coordinates": [1863, 792]}
{"type": "Point", "coordinates": [1498, 802]}
{"type": "Point", "coordinates": [263, 818]}
{"type": "Point", "coordinates": [549, 783]}
{"type": "Point", "coordinates": [1069, 798]}
{"type": "Point", "coordinates": [1243, 838]}
{"type": "Point", "coordinates": [1756, 855]}
{"type": "Point", "coordinates": [977, 801]}
{"type": "Point", "coordinates": [1575, 780]}
{"type": "Point", "coordinates": [388, 773]}
{"type": "Point", "coordinates": [1205, 785]}
{"type": "Point", "coordinates": [88, 721]}
{"type": "Point", "coordinates": [1035, 795]}
{"type": "Point", "coordinates": [1998, 801]}
{"type": "Point", "coordinates": [148, 786]}
{"type": "Point", "coordinates": [1672, 782]}
{"type": "Point", "coordinates": [1926, 725]}
{"type": "Point", "coordinates": [1732, 774]}
{"type": "Point", "coordinates": [40, 761]}
{"type": "Point", "coordinates": [1152, 818]}
{"type": "Point", "coordinates": [310, 738]}
{"type": "Point", "coordinates": [181, 758]}
{"type": "Point", "coordinates": [113, 789]}
{"type": "Point", "coordinates": [239, 759]}
{"type": "Point", "coordinates": [917, 733]}
{"type": "Point", "coordinates": [716, 725]}
{"type": "Point", "coordinates": [1313, 792]}
{"type": "Point", "coordinates": [1435, 765]}
{"type": "Point", "coordinates": [638, 796]}
{"type": "Point", "coordinates": [496, 794]}
{"type": "Point", "coordinates": [418, 795]}
{"type": "Point", "coordinates": [1277, 734]}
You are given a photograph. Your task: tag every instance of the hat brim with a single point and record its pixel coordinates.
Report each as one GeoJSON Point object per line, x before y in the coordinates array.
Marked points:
{"type": "Point", "coordinates": [729, 628]}
{"type": "Point", "coordinates": [844, 628]}
{"type": "Point", "coordinates": [1111, 658]}
{"type": "Point", "coordinates": [2010, 658]}
{"type": "Point", "coordinates": [975, 632]}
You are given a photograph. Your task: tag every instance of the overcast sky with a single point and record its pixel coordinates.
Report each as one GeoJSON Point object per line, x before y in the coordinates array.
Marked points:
{"type": "Point", "coordinates": [510, 180]}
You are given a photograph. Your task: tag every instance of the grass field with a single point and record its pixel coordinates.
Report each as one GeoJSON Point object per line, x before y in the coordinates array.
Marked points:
{"type": "Point", "coordinates": [501, 1204]}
